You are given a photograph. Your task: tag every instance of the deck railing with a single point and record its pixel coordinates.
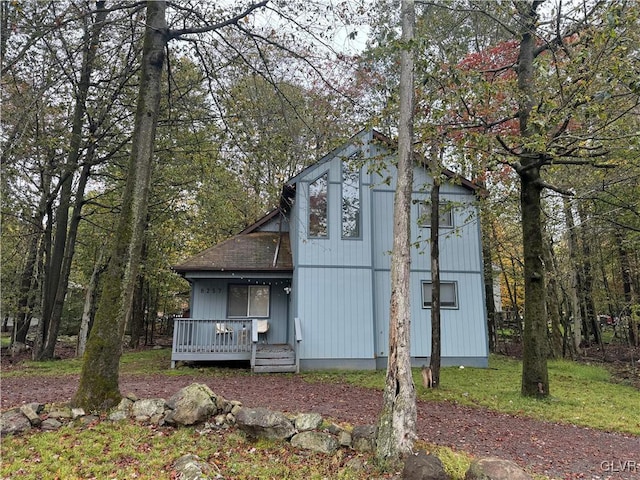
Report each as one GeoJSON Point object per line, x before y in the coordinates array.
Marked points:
{"type": "Point", "coordinates": [199, 336]}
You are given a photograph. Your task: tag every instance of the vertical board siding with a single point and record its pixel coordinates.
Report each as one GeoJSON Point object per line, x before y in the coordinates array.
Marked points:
{"type": "Point", "coordinates": [463, 329]}
{"type": "Point", "coordinates": [335, 308]}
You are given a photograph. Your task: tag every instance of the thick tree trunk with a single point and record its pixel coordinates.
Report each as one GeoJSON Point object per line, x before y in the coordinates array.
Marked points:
{"type": "Point", "coordinates": [397, 422]}
{"type": "Point", "coordinates": [98, 387]}
{"type": "Point", "coordinates": [535, 378]}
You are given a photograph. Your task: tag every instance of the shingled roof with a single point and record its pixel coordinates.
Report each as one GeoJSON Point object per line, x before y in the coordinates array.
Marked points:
{"type": "Point", "coordinates": [254, 251]}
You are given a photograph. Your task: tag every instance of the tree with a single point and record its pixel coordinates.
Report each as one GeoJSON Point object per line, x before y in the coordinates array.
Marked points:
{"type": "Point", "coordinates": [98, 388]}
{"type": "Point", "coordinates": [59, 267]}
{"type": "Point", "coordinates": [397, 422]}
{"type": "Point", "coordinates": [539, 103]}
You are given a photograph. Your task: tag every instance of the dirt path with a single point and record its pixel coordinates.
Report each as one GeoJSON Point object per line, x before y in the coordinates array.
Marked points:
{"type": "Point", "coordinates": [558, 451]}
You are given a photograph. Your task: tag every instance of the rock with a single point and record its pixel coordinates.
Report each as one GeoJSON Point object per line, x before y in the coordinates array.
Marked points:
{"type": "Point", "coordinates": [145, 410]}
{"type": "Point", "coordinates": [316, 441]}
{"type": "Point", "coordinates": [491, 468]}
{"type": "Point", "coordinates": [191, 467]}
{"type": "Point", "coordinates": [235, 407]}
{"type": "Point", "coordinates": [58, 412]}
{"type": "Point", "coordinates": [422, 466]}
{"type": "Point", "coordinates": [193, 404]}
{"type": "Point", "coordinates": [308, 421]}
{"type": "Point", "coordinates": [118, 415]}
{"type": "Point", "coordinates": [31, 411]}
{"type": "Point", "coordinates": [132, 396]}
{"type": "Point", "coordinates": [13, 422]}
{"type": "Point", "coordinates": [121, 411]}
{"type": "Point", "coordinates": [344, 438]}
{"type": "Point", "coordinates": [261, 422]}
{"type": "Point", "coordinates": [51, 424]}
{"type": "Point", "coordinates": [363, 438]}
{"type": "Point", "coordinates": [77, 413]}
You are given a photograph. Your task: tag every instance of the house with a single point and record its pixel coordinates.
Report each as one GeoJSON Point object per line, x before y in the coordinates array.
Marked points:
{"type": "Point", "coordinates": [308, 285]}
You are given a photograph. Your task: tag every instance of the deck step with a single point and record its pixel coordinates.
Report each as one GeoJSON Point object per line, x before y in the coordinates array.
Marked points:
{"type": "Point", "coordinates": [274, 369]}
{"type": "Point", "coordinates": [274, 359]}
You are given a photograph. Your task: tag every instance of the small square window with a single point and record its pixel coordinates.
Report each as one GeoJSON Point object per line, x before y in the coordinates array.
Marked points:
{"type": "Point", "coordinates": [446, 214]}
{"type": "Point", "coordinates": [448, 294]}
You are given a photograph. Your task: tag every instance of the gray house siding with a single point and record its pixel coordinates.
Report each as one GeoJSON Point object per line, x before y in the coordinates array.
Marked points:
{"type": "Point", "coordinates": [340, 287]}
{"type": "Point", "coordinates": [335, 278]}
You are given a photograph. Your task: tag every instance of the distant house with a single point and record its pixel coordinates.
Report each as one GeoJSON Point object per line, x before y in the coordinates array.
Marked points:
{"type": "Point", "coordinates": [308, 285]}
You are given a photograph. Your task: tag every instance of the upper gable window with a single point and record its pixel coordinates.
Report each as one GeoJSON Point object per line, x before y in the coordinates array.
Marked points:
{"type": "Point", "coordinates": [350, 199]}
{"type": "Point", "coordinates": [446, 214]}
{"type": "Point", "coordinates": [318, 191]}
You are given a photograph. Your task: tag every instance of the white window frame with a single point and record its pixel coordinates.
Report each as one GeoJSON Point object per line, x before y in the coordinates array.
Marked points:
{"type": "Point", "coordinates": [426, 295]}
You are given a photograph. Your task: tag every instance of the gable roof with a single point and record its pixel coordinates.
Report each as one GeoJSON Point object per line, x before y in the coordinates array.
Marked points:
{"type": "Point", "coordinates": [289, 187]}
{"type": "Point", "coordinates": [255, 251]}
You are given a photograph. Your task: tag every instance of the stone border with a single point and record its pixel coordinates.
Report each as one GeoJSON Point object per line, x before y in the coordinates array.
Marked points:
{"type": "Point", "coordinates": [197, 404]}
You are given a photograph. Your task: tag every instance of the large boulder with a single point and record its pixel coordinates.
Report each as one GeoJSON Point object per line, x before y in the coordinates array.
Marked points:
{"type": "Point", "coordinates": [422, 466]}
{"type": "Point", "coordinates": [13, 422]}
{"type": "Point", "coordinates": [193, 404]}
{"type": "Point", "coordinates": [491, 468]}
{"type": "Point", "coordinates": [322, 442]}
{"type": "Point", "coordinates": [261, 422]}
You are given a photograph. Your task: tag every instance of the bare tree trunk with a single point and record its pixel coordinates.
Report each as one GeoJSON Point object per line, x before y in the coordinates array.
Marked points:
{"type": "Point", "coordinates": [89, 309]}
{"type": "Point", "coordinates": [487, 262]}
{"type": "Point", "coordinates": [98, 387]}
{"type": "Point", "coordinates": [535, 376]}
{"type": "Point", "coordinates": [26, 298]}
{"type": "Point", "coordinates": [436, 343]}
{"type": "Point", "coordinates": [397, 422]}
{"type": "Point", "coordinates": [57, 277]}
{"type": "Point", "coordinates": [553, 300]}
{"type": "Point", "coordinates": [574, 287]}
{"type": "Point", "coordinates": [587, 288]}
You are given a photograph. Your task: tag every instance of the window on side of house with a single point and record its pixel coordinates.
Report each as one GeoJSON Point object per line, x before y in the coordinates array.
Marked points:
{"type": "Point", "coordinates": [318, 212]}
{"type": "Point", "coordinates": [446, 214]}
{"type": "Point", "coordinates": [448, 294]}
{"type": "Point", "coordinates": [248, 301]}
{"type": "Point", "coordinates": [350, 198]}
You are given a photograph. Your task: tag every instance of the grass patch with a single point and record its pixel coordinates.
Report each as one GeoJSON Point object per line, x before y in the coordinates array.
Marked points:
{"type": "Point", "coordinates": [580, 394]}
{"type": "Point", "coordinates": [129, 450]}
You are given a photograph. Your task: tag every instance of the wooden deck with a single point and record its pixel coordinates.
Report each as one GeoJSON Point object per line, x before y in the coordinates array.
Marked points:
{"type": "Point", "coordinates": [208, 340]}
